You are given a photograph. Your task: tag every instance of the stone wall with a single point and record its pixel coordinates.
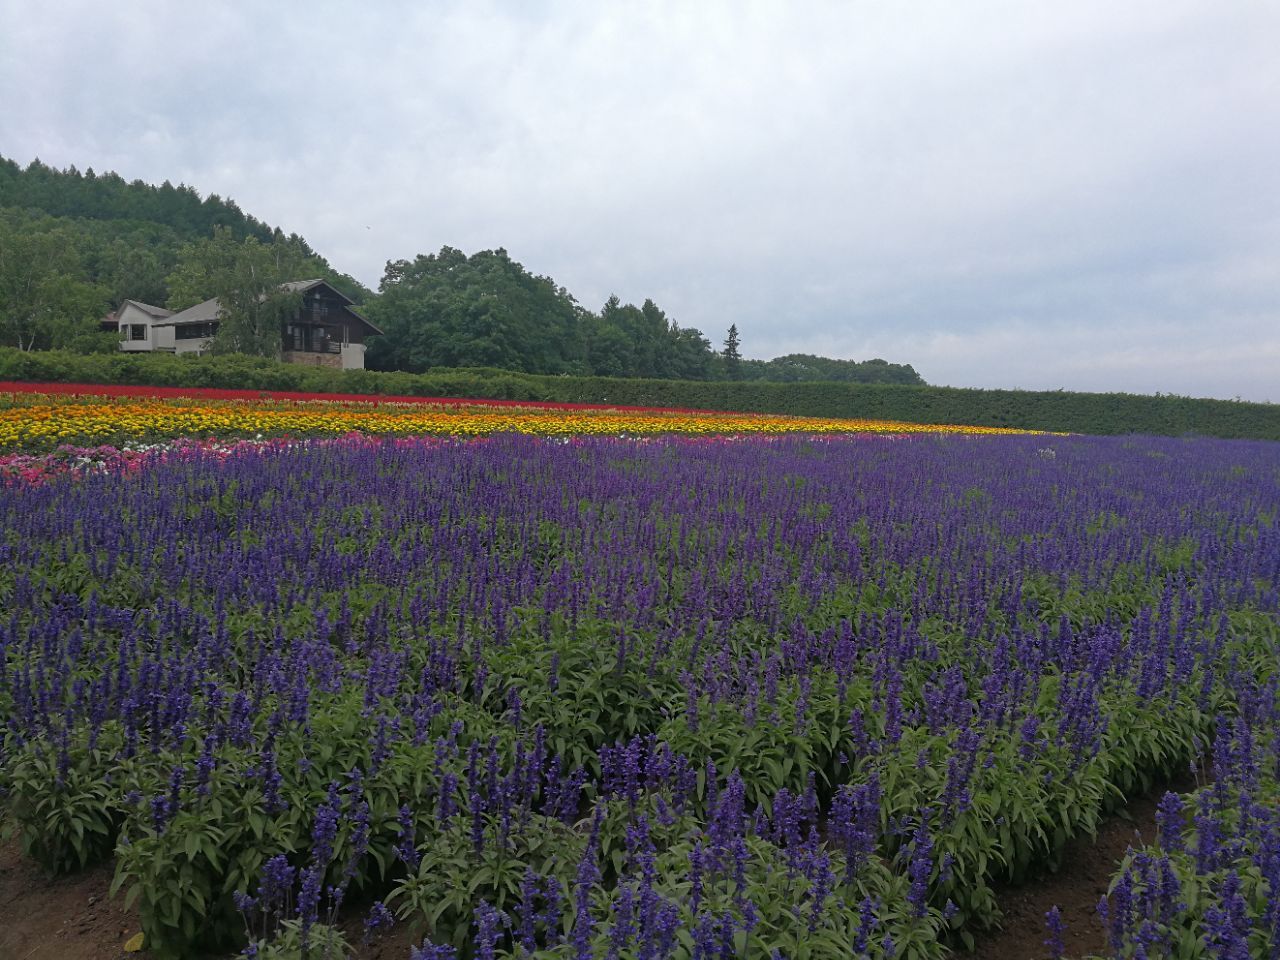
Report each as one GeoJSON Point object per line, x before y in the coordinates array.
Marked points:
{"type": "Point", "coordinates": [309, 359]}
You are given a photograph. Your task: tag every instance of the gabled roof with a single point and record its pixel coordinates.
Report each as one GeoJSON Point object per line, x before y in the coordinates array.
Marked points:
{"type": "Point", "coordinates": [154, 312]}
{"type": "Point", "coordinates": [158, 312]}
{"type": "Point", "coordinates": [302, 286]}
{"type": "Point", "coordinates": [208, 311]}
{"type": "Point", "coordinates": [200, 313]}
{"type": "Point", "coordinates": [363, 319]}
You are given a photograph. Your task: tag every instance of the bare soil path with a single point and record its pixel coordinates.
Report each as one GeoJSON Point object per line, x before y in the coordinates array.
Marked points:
{"type": "Point", "coordinates": [1087, 864]}
{"type": "Point", "coordinates": [63, 918]}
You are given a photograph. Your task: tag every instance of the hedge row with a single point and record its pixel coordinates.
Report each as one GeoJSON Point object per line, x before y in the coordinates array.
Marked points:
{"type": "Point", "coordinates": [1095, 413]}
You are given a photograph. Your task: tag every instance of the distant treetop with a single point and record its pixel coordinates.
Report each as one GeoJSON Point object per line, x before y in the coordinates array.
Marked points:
{"type": "Point", "coordinates": [108, 196]}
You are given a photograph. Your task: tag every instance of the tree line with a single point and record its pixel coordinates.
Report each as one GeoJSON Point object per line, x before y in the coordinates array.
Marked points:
{"type": "Point", "coordinates": [74, 245]}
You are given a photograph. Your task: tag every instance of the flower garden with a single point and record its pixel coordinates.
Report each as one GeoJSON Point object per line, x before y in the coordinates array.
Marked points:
{"type": "Point", "coordinates": [601, 683]}
{"type": "Point", "coordinates": [39, 420]}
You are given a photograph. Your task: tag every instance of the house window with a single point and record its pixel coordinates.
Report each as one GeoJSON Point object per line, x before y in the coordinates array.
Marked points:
{"type": "Point", "coordinates": [137, 331]}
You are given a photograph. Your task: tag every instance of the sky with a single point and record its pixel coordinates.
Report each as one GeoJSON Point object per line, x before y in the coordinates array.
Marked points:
{"type": "Point", "coordinates": [1024, 194]}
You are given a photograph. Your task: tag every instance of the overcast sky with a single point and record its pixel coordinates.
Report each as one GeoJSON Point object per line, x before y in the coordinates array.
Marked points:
{"type": "Point", "coordinates": [1029, 194]}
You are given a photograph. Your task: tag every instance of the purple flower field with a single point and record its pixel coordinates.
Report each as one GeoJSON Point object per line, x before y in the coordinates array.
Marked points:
{"type": "Point", "coordinates": [696, 698]}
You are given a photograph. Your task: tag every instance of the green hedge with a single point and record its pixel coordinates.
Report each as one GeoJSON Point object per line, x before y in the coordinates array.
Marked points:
{"type": "Point", "coordinates": [1096, 413]}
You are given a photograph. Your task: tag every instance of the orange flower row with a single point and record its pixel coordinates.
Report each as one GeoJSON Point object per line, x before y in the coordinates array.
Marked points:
{"type": "Point", "coordinates": [38, 422]}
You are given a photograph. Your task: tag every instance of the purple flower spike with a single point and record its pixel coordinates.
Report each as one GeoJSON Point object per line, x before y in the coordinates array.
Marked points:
{"type": "Point", "coordinates": [1054, 930]}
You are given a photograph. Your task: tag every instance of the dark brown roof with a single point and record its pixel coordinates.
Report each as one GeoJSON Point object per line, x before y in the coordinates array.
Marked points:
{"type": "Point", "coordinates": [208, 311]}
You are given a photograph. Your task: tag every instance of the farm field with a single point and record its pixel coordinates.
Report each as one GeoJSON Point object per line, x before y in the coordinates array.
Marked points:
{"type": "Point", "coordinates": [587, 683]}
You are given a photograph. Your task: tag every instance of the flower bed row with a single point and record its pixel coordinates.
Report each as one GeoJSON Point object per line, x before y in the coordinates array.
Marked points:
{"type": "Point", "coordinates": [36, 422]}
{"type": "Point", "coordinates": [215, 393]}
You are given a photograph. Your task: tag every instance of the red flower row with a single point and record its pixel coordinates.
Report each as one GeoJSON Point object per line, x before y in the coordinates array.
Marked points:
{"type": "Point", "coordinates": [215, 393]}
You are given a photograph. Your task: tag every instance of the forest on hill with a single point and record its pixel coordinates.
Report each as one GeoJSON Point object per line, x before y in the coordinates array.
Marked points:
{"type": "Point", "coordinates": [77, 244]}
{"type": "Point", "coordinates": [74, 245]}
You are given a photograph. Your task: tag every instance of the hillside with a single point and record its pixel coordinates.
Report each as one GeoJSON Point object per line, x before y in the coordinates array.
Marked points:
{"type": "Point", "coordinates": [77, 244]}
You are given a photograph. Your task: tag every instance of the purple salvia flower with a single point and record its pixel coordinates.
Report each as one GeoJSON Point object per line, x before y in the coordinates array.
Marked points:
{"type": "Point", "coordinates": [1170, 822]}
{"type": "Point", "coordinates": [1054, 929]}
{"type": "Point", "coordinates": [920, 869]}
{"type": "Point", "coordinates": [275, 885]}
{"type": "Point", "coordinates": [406, 845]}
{"type": "Point", "coordinates": [526, 912]}
{"type": "Point", "coordinates": [379, 919]}
{"type": "Point", "coordinates": [489, 923]}
{"type": "Point", "coordinates": [309, 896]}
{"type": "Point", "coordinates": [324, 831]}
{"type": "Point", "coordinates": [432, 951]}
{"type": "Point", "coordinates": [552, 896]}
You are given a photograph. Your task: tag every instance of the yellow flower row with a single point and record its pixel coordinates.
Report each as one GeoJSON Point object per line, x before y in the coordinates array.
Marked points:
{"type": "Point", "coordinates": [40, 424]}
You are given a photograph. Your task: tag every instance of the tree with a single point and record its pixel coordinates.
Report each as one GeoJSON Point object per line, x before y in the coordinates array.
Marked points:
{"type": "Point", "coordinates": [44, 302]}
{"type": "Point", "coordinates": [129, 270]}
{"type": "Point", "coordinates": [806, 368]}
{"type": "Point", "coordinates": [451, 310]}
{"type": "Point", "coordinates": [247, 277]}
{"type": "Point", "coordinates": [691, 354]}
{"type": "Point", "coordinates": [732, 358]}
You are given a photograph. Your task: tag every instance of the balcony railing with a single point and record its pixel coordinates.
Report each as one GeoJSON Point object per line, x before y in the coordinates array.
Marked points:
{"type": "Point", "coordinates": [326, 346]}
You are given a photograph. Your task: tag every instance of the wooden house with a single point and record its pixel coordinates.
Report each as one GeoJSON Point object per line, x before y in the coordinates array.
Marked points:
{"type": "Point", "coordinates": [327, 330]}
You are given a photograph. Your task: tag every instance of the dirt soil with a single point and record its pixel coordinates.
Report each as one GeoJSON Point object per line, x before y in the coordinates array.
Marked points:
{"type": "Point", "coordinates": [1085, 870]}
{"type": "Point", "coordinates": [67, 918]}
{"type": "Point", "coordinates": [1082, 878]}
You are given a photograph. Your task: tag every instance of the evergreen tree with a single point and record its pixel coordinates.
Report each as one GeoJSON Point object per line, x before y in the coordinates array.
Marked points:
{"type": "Point", "coordinates": [732, 358]}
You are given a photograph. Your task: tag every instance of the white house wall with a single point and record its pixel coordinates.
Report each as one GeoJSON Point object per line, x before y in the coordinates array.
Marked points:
{"type": "Point", "coordinates": [353, 356]}
{"type": "Point", "coordinates": [191, 346]}
{"type": "Point", "coordinates": [158, 338]}
{"type": "Point", "coordinates": [129, 316]}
